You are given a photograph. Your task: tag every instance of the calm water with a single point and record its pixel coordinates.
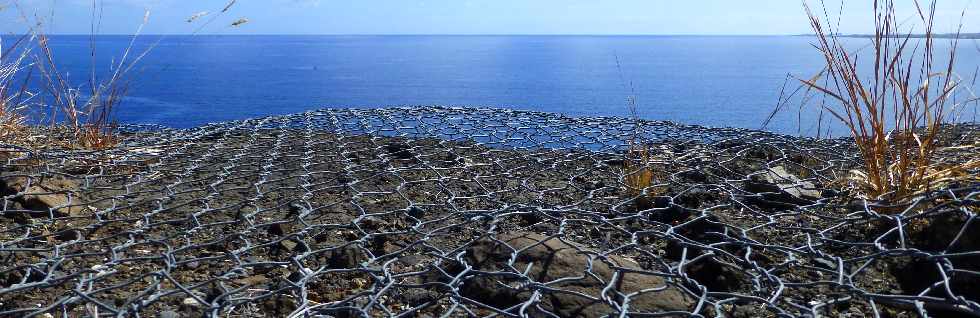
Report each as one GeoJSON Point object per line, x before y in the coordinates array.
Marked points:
{"type": "Point", "coordinates": [716, 81]}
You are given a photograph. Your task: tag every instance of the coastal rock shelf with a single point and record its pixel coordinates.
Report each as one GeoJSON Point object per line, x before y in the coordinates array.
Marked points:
{"type": "Point", "coordinates": [431, 211]}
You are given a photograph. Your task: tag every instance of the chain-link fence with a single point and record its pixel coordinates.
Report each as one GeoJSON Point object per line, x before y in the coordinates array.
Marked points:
{"type": "Point", "coordinates": [426, 212]}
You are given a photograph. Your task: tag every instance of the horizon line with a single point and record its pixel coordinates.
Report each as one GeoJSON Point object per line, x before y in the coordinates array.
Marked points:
{"type": "Point", "coordinates": [420, 34]}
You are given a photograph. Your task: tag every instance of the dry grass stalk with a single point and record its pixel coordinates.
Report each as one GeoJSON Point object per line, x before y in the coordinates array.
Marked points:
{"type": "Point", "coordinates": [13, 94]}
{"type": "Point", "coordinates": [896, 114]}
{"type": "Point", "coordinates": [638, 163]}
{"type": "Point", "coordinates": [636, 168]}
{"type": "Point", "coordinates": [90, 115]}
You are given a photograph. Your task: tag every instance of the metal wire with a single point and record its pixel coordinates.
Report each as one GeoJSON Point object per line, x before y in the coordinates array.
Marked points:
{"type": "Point", "coordinates": [432, 211]}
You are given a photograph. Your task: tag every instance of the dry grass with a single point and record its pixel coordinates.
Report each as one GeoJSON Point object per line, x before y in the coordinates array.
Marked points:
{"type": "Point", "coordinates": [637, 176]}
{"type": "Point", "coordinates": [13, 94]}
{"type": "Point", "coordinates": [646, 169]}
{"type": "Point", "coordinates": [638, 170]}
{"type": "Point", "coordinates": [896, 109]}
{"type": "Point", "coordinates": [641, 168]}
{"type": "Point", "coordinates": [88, 111]}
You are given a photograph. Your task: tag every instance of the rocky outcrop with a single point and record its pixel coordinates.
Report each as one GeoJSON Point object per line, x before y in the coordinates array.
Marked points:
{"type": "Point", "coordinates": [780, 189]}
{"type": "Point", "coordinates": [41, 197]}
{"type": "Point", "coordinates": [571, 280]}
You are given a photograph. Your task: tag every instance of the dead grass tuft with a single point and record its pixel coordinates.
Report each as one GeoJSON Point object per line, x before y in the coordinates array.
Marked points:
{"type": "Point", "coordinates": [88, 111]}
{"type": "Point", "coordinates": [13, 94]}
{"type": "Point", "coordinates": [896, 109]}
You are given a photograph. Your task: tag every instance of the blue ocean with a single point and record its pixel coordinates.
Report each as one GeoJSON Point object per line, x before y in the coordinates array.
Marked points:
{"type": "Point", "coordinates": [186, 81]}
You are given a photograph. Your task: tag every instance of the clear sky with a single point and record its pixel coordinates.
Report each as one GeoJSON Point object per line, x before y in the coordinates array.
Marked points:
{"type": "Point", "coordinates": [717, 17]}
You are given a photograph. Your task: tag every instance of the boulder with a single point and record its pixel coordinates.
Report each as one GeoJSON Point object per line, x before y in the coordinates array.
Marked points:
{"type": "Point", "coordinates": [44, 195]}
{"type": "Point", "coordinates": [777, 184]}
{"type": "Point", "coordinates": [571, 278]}
{"type": "Point", "coordinates": [346, 258]}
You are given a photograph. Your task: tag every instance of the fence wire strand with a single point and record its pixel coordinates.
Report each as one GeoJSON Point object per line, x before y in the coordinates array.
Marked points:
{"type": "Point", "coordinates": [437, 212]}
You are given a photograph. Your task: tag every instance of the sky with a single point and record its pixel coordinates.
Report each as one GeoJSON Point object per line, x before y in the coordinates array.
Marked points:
{"type": "Point", "coordinates": [599, 17]}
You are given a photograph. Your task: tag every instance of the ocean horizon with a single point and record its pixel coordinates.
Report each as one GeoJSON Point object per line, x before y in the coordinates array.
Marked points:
{"type": "Point", "coordinates": [712, 80]}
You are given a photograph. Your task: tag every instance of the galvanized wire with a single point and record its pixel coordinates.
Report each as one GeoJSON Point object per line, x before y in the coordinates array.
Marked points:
{"type": "Point", "coordinates": [432, 211]}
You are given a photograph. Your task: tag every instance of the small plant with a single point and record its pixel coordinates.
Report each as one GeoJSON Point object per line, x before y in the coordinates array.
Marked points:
{"type": "Point", "coordinates": [637, 171]}
{"type": "Point", "coordinates": [896, 109]}
{"type": "Point", "coordinates": [638, 161]}
{"type": "Point", "coordinates": [644, 171]}
{"type": "Point", "coordinates": [88, 111]}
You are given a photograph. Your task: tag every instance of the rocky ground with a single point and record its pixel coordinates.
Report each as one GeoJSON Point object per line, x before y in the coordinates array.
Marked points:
{"type": "Point", "coordinates": [300, 221]}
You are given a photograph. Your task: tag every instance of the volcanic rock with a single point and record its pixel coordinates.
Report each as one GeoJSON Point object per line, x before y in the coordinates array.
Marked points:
{"type": "Point", "coordinates": [579, 273]}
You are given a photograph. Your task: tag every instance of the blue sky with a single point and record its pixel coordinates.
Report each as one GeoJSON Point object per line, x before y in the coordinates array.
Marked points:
{"type": "Point", "coordinates": [457, 16]}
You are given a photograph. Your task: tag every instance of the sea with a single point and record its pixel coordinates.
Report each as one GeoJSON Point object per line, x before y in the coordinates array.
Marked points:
{"type": "Point", "coordinates": [722, 81]}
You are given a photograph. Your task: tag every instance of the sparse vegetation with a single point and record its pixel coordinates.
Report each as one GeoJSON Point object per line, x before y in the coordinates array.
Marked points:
{"type": "Point", "coordinates": [13, 93]}
{"type": "Point", "coordinates": [644, 171]}
{"type": "Point", "coordinates": [637, 173]}
{"type": "Point", "coordinates": [896, 108]}
{"type": "Point", "coordinates": [88, 111]}
{"type": "Point", "coordinates": [639, 176]}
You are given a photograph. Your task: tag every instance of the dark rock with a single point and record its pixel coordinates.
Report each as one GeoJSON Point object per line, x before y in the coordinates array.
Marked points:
{"type": "Point", "coordinates": [772, 202]}
{"type": "Point", "coordinates": [411, 259]}
{"type": "Point", "coordinates": [731, 143]}
{"type": "Point", "coordinates": [553, 259]}
{"type": "Point", "coordinates": [372, 223]}
{"type": "Point", "coordinates": [670, 213]}
{"type": "Point", "coordinates": [615, 163]}
{"type": "Point", "coordinates": [704, 230]}
{"type": "Point", "coordinates": [278, 229]}
{"type": "Point", "coordinates": [935, 235]}
{"type": "Point", "coordinates": [18, 213]}
{"type": "Point", "coordinates": [343, 180]}
{"type": "Point", "coordinates": [35, 275]}
{"type": "Point", "coordinates": [760, 152]}
{"type": "Point", "coordinates": [295, 276]}
{"type": "Point", "coordinates": [454, 159]}
{"type": "Point", "coordinates": [417, 297]}
{"type": "Point", "coordinates": [716, 276]}
{"type": "Point", "coordinates": [278, 306]}
{"type": "Point", "coordinates": [695, 176]}
{"type": "Point", "coordinates": [643, 203]}
{"type": "Point", "coordinates": [44, 195]}
{"type": "Point", "coordinates": [381, 244]}
{"type": "Point", "coordinates": [400, 151]}
{"type": "Point", "coordinates": [300, 247]}
{"type": "Point", "coordinates": [346, 258]}
{"type": "Point", "coordinates": [697, 197]}
{"type": "Point", "coordinates": [297, 209]}
{"type": "Point", "coordinates": [415, 212]}
{"type": "Point", "coordinates": [68, 235]}
{"type": "Point", "coordinates": [829, 193]}
{"type": "Point", "coordinates": [531, 218]}
{"type": "Point", "coordinates": [12, 185]}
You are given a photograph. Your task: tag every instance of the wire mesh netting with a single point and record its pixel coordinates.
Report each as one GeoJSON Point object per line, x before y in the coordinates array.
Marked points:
{"type": "Point", "coordinates": [432, 211]}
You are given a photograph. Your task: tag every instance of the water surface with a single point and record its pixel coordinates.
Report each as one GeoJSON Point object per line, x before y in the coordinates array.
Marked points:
{"type": "Point", "coordinates": [716, 81]}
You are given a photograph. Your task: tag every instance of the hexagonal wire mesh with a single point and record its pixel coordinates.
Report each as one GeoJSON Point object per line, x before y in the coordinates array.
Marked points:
{"type": "Point", "coordinates": [432, 211]}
